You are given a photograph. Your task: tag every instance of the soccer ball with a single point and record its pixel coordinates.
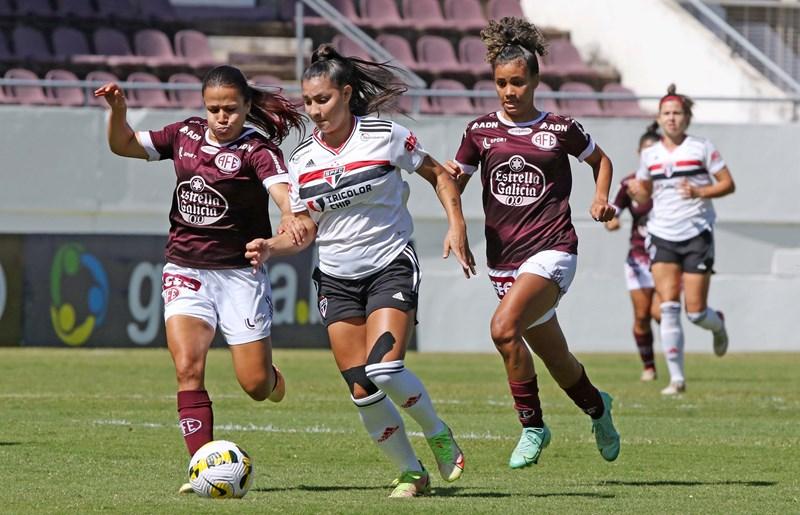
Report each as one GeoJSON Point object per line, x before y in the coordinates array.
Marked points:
{"type": "Point", "coordinates": [220, 469]}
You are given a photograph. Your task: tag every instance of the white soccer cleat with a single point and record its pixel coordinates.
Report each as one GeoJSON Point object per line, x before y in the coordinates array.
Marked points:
{"type": "Point", "coordinates": [648, 375]}
{"type": "Point", "coordinates": [721, 338]}
{"type": "Point", "coordinates": [675, 388]}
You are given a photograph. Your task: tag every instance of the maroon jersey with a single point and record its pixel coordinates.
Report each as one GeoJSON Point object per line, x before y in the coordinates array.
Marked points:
{"type": "Point", "coordinates": [220, 201]}
{"type": "Point", "coordinates": [527, 181]}
{"type": "Point", "coordinates": [639, 213]}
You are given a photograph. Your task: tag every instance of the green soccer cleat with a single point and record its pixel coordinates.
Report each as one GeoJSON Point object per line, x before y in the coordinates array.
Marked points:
{"type": "Point", "coordinates": [449, 457]}
{"type": "Point", "coordinates": [412, 483]}
{"type": "Point", "coordinates": [605, 434]}
{"type": "Point", "coordinates": [529, 447]}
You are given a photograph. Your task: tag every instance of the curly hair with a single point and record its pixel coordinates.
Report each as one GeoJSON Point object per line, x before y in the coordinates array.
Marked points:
{"type": "Point", "coordinates": [672, 94]}
{"type": "Point", "coordinates": [511, 39]}
{"type": "Point", "coordinates": [376, 86]}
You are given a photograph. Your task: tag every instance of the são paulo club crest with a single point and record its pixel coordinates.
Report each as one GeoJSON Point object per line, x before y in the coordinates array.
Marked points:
{"type": "Point", "coordinates": [332, 175]}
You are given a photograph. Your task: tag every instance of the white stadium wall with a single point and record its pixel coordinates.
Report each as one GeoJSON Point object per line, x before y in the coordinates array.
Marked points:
{"type": "Point", "coordinates": [59, 177]}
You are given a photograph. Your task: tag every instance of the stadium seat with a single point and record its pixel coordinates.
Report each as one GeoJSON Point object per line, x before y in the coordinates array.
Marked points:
{"type": "Point", "coordinates": [500, 8]}
{"type": "Point", "coordinates": [545, 104]}
{"type": "Point", "coordinates": [193, 46]}
{"type": "Point", "coordinates": [28, 95]}
{"type": "Point", "coordinates": [186, 98]}
{"type": "Point", "coordinates": [6, 11]}
{"type": "Point", "coordinates": [426, 15]}
{"type": "Point", "coordinates": [148, 98]}
{"type": "Point", "coordinates": [451, 105]}
{"type": "Point", "coordinates": [6, 55]}
{"type": "Point", "coordinates": [155, 47]}
{"type": "Point", "coordinates": [405, 104]}
{"type": "Point", "coordinates": [467, 14]}
{"type": "Point", "coordinates": [437, 54]}
{"type": "Point", "coordinates": [30, 45]}
{"type": "Point", "coordinates": [381, 15]}
{"type": "Point", "coordinates": [579, 106]}
{"type": "Point", "coordinates": [487, 104]}
{"type": "Point", "coordinates": [345, 7]}
{"type": "Point", "coordinates": [348, 47]}
{"type": "Point", "coordinates": [76, 10]}
{"type": "Point", "coordinates": [39, 9]}
{"type": "Point", "coordinates": [99, 78]}
{"type": "Point", "coordinates": [472, 53]}
{"type": "Point", "coordinates": [71, 45]}
{"type": "Point", "coordinates": [563, 59]}
{"type": "Point", "coordinates": [71, 96]}
{"type": "Point", "coordinates": [123, 10]}
{"type": "Point", "coordinates": [266, 80]}
{"type": "Point", "coordinates": [157, 11]}
{"type": "Point", "coordinates": [400, 48]}
{"type": "Point", "coordinates": [114, 45]}
{"type": "Point", "coordinates": [621, 107]}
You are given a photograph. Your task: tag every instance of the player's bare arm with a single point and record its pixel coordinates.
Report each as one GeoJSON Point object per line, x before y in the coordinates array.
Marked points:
{"type": "Point", "coordinates": [290, 223]}
{"type": "Point", "coordinates": [121, 138]}
{"type": "Point", "coordinates": [450, 197]}
{"type": "Point", "coordinates": [640, 190]}
{"type": "Point", "coordinates": [601, 210]}
{"type": "Point", "coordinates": [261, 250]}
{"type": "Point", "coordinates": [723, 185]}
{"type": "Point", "coordinates": [455, 171]}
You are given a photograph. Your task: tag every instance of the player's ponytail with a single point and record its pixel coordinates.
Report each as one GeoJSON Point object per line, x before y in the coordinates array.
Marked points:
{"type": "Point", "coordinates": [511, 39]}
{"type": "Point", "coordinates": [672, 94]}
{"type": "Point", "coordinates": [376, 86]}
{"type": "Point", "coordinates": [270, 112]}
{"type": "Point", "coordinates": [650, 134]}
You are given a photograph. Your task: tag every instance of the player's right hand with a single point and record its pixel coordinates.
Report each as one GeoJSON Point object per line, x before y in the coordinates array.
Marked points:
{"type": "Point", "coordinates": [257, 252]}
{"type": "Point", "coordinates": [113, 94]}
{"type": "Point", "coordinates": [453, 169]}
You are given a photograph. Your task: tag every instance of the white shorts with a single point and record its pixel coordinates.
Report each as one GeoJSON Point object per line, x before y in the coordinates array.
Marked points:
{"type": "Point", "coordinates": [559, 267]}
{"type": "Point", "coordinates": [238, 299]}
{"type": "Point", "coordinates": [637, 274]}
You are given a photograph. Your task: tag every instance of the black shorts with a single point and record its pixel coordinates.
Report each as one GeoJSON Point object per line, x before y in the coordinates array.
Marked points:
{"type": "Point", "coordinates": [394, 286]}
{"type": "Point", "coordinates": [695, 255]}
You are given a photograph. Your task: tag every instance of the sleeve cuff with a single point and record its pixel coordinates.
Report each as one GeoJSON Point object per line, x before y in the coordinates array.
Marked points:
{"type": "Point", "coordinates": [587, 151]}
{"type": "Point", "coordinates": [275, 179]}
{"type": "Point", "coordinates": [147, 142]}
{"type": "Point", "coordinates": [467, 169]}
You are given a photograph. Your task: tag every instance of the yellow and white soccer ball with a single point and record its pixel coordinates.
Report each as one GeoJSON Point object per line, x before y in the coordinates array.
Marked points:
{"type": "Point", "coordinates": [220, 469]}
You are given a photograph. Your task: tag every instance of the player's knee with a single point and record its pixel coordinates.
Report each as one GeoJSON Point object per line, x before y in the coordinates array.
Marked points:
{"type": "Point", "coordinates": [358, 383]}
{"type": "Point", "coordinates": [189, 373]}
{"type": "Point", "coordinates": [257, 387]}
{"type": "Point", "coordinates": [641, 323]}
{"type": "Point", "coordinates": [504, 331]}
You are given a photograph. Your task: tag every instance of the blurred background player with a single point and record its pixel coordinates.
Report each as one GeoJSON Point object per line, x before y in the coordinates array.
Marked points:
{"type": "Point", "coordinates": [347, 188]}
{"type": "Point", "coordinates": [227, 166]}
{"type": "Point", "coordinates": [682, 173]}
{"type": "Point", "coordinates": [637, 264]}
{"type": "Point", "coordinates": [531, 245]}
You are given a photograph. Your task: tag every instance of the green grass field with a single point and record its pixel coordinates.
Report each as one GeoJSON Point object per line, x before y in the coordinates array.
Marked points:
{"type": "Point", "coordinates": [87, 431]}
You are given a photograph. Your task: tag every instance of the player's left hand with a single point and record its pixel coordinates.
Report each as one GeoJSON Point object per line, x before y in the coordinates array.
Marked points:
{"type": "Point", "coordinates": [602, 211]}
{"type": "Point", "coordinates": [456, 240]}
{"type": "Point", "coordinates": [686, 189]}
{"type": "Point", "coordinates": [257, 252]}
{"type": "Point", "coordinates": [292, 226]}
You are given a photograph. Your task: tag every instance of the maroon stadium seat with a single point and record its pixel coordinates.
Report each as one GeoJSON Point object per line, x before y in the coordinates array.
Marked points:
{"type": "Point", "coordinates": [78, 9]}
{"type": "Point", "coordinates": [187, 99]}
{"type": "Point", "coordinates": [348, 47]}
{"type": "Point", "coordinates": [400, 48]}
{"type": "Point", "coordinates": [35, 8]}
{"type": "Point", "coordinates": [488, 104]}
{"type": "Point", "coordinates": [563, 58]}
{"type": "Point", "coordinates": [451, 105]}
{"type": "Point", "coordinates": [99, 78]}
{"type": "Point", "coordinates": [71, 97]}
{"type": "Point", "coordinates": [156, 48]}
{"type": "Point", "coordinates": [382, 14]}
{"type": "Point", "coordinates": [157, 11]}
{"type": "Point", "coordinates": [546, 104]}
{"type": "Point", "coordinates": [193, 46]}
{"type": "Point", "coordinates": [500, 8]}
{"type": "Point", "coordinates": [117, 10]}
{"type": "Point", "coordinates": [29, 44]}
{"type": "Point", "coordinates": [6, 55]}
{"type": "Point", "coordinates": [472, 53]}
{"type": "Point", "coordinates": [621, 107]}
{"type": "Point", "coordinates": [114, 45]}
{"type": "Point", "coordinates": [405, 104]}
{"type": "Point", "coordinates": [437, 54]}
{"type": "Point", "coordinates": [150, 98]}
{"type": "Point", "coordinates": [579, 107]}
{"type": "Point", "coordinates": [466, 13]}
{"type": "Point", "coordinates": [265, 80]}
{"type": "Point", "coordinates": [345, 7]}
{"type": "Point", "coordinates": [29, 95]}
{"type": "Point", "coordinates": [426, 15]}
{"type": "Point", "coordinates": [71, 45]}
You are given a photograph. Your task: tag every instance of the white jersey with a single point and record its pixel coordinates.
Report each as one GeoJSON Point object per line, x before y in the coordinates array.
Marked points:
{"type": "Point", "coordinates": [673, 217]}
{"type": "Point", "coordinates": [356, 195]}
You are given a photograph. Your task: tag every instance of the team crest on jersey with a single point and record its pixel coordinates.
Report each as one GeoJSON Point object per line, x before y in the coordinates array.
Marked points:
{"type": "Point", "coordinates": [544, 140]}
{"type": "Point", "coordinates": [668, 170]}
{"type": "Point", "coordinates": [332, 175]}
{"type": "Point", "coordinates": [228, 162]}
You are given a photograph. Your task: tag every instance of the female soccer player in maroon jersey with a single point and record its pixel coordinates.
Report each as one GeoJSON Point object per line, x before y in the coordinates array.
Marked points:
{"type": "Point", "coordinates": [531, 244]}
{"type": "Point", "coordinates": [227, 166]}
{"type": "Point", "coordinates": [346, 184]}
{"type": "Point", "coordinates": [638, 278]}
{"type": "Point", "coordinates": [682, 173]}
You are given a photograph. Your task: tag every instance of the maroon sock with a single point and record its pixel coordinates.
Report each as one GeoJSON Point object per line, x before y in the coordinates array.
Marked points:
{"type": "Point", "coordinates": [644, 342]}
{"type": "Point", "coordinates": [526, 402]}
{"type": "Point", "coordinates": [586, 396]}
{"type": "Point", "coordinates": [196, 418]}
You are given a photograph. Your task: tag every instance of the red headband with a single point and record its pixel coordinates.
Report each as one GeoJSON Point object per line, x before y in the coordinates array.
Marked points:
{"type": "Point", "coordinates": [667, 98]}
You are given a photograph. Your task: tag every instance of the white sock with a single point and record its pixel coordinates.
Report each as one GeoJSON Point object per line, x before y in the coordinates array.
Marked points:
{"type": "Point", "coordinates": [672, 339]}
{"type": "Point", "coordinates": [407, 391]}
{"type": "Point", "coordinates": [385, 426]}
{"type": "Point", "coordinates": [708, 319]}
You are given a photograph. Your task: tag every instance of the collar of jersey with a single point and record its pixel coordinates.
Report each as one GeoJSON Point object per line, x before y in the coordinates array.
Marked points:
{"type": "Point", "coordinates": [247, 131]}
{"type": "Point", "coordinates": [318, 138]}
{"type": "Point", "coordinates": [506, 121]}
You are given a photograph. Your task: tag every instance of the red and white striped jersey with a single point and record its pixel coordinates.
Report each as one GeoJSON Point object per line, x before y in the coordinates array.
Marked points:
{"type": "Point", "coordinates": [356, 195]}
{"type": "Point", "coordinates": [673, 217]}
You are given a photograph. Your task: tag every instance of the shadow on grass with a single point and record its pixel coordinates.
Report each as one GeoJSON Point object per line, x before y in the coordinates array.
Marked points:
{"type": "Point", "coordinates": [687, 483]}
{"type": "Point", "coordinates": [451, 491]}
{"type": "Point", "coordinates": [6, 444]}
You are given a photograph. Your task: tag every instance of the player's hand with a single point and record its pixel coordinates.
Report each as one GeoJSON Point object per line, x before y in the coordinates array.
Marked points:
{"type": "Point", "coordinates": [686, 189]}
{"type": "Point", "coordinates": [453, 169]}
{"type": "Point", "coordinates": [456, 240]}
{"type": "Point", "coordinates": [113, 94]}
{"type": "Point", "coordinates": [635, 188]}
{"type": "Point", "coordinates": [292, 226]}
{"type": "Point", "coordinates": [613, 224]}
{"type": "Point", "coordinates": [257, 252]}
{"type": "Point", "coordinates": [602, 211]}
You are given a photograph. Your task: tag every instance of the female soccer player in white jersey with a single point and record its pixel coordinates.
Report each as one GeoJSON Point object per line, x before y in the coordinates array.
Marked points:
{"type": "Point", "coordinates": [682, 173]}
{"type": "Point", "coordinates": [531, 244]}
{"type": "Point", "coordinates": [638, 277]}
{"type": "Point", "coordinates": [226, 171]}
{"type": "Point", "coordinates": [347, 186]}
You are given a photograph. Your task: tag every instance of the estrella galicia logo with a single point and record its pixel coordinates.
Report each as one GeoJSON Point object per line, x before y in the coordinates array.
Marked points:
{"type": "Point", "coordinates": [70, 265]}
